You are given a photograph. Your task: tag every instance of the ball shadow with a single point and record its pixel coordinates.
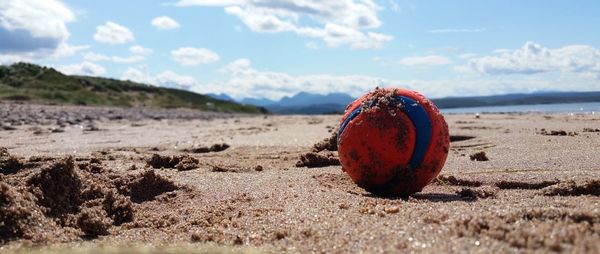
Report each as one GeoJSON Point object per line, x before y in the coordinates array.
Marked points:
{"type": "Point", "coordinates": [441, 197]}
{"type": "Point", "coordinates": [343, 183]}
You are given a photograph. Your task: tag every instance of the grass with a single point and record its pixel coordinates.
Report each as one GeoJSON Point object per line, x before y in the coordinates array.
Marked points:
{"type": "Point", "coordinates": [37, 84]}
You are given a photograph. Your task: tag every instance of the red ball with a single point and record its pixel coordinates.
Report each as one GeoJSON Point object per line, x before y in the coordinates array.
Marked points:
{"type": "Point", "coordinates": [393, 141]}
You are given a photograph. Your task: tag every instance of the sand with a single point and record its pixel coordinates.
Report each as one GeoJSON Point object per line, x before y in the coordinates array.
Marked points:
{"type": "Point", "coordinates": [113, 177]}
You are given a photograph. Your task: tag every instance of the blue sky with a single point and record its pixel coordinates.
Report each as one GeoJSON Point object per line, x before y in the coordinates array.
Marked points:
{"type": "Point", "coordinates": [274, 48]}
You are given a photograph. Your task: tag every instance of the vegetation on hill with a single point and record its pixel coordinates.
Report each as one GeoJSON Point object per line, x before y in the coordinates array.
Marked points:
{"type": "Point", "coordinates": [33, 83]}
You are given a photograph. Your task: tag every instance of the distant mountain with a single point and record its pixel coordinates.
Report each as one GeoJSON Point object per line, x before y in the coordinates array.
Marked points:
{"type": "Point", "coordinates": [33, 83]}
{"type": "Point", "coordinates": [304, 103]}
{"type": "Point", "coordinates": [306, 99]}
{"type": "Point", "coordinates": [220, 96]}
{"type": "Point", "coordinates": [314, 109]}
{"type": "Point", "coordinates": [257, 102]}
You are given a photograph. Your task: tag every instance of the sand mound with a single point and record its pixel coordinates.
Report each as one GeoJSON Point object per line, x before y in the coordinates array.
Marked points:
{"type": "Point", "coordinates": [18, 214]}
{"type": "Point", "coordinates": [453, 181]}
{"type": "Point", "coordinates": [557, 133]}
{"type": "Point", "coordinates": [94, 221]}
{"type": "Point", "coordinates": [476, 193]}
{"type": "Point", "coordinates": [479, 156]}
{"type": "Point", "coordinates": [118, 207]}
{"type": "Point", "coordinates": [9, 164]}
{"type": "Point", "coordinates": [93, 165]}
{"type": "Point", "coordinates": [187, 163]}
{"type": "Point", "coordinates": [181, 163]}
{"type": "Point", "coordinates": [329, 144]}
{"type": "Point", "coordinates": [205, 149]}
{"type": "Point", "coordinates": [61, 202]}
{"type": "Point", "coordinates": [234, 168]}
{"type": "Point", "coordinates": [571, 188]}
{"type": "Point", "coordinates": [146, 186]}
{"type": "Point", "coordinates": [57, 188]}
{"type": "Point", "coordinates": [315, 160]}
{"type": "Point", "coordinates": [525, 185]}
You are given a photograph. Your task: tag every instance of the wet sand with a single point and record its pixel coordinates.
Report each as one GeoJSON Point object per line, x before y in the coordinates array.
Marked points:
{"type": "Point", "coordinates": [79, 175]}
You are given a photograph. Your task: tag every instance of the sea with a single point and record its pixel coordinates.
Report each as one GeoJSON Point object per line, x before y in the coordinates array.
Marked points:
{"type": "Point", "coordinates": [566, 108]}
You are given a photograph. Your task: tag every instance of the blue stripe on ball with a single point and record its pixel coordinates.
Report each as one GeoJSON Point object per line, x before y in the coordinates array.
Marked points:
{"type": "Point", "coordinates": [352, 115]}
{"type": "Point", "coordinates": [420, 118]}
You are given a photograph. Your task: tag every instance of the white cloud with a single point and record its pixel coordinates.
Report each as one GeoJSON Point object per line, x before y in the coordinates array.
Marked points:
{"type": "Point", "coordinates": [63, 50]}
{"type": "Point", "coordinates": [30, 25]}
{"type": "Point", "coordinates": [139, 75]}
{"type": "Point", "coordinates": [259, 21]}
{"type": "Point", "coordinates": [372, 41]}
{"type": "Point", "coordinates": [458, 30]}
{"type": "Point", "coordinates": [394, 6]}
{"type": "Point", "coordinates": [32, 30]}
{"type": "Point", "coordinates": [164, 23]}
{"type": "Point", "coordinates": [85, 68]}
{"type": "Point", "coordinates": [414, 61]}
{"type": "Point", "coordinates": [113, 33]}
{"type": "Point", "coordinates": [188, 56]}
{"type": "Point", "coordinates": [341, 22]}
{"type": "Point", "coordinates": [166, 78]}
{"type": "Point", "coordinates": [424, 61]}
{"type": "Point", "coordinates": [128, 59]}
{"type": "Point", "coordinates": [173, 80]}
{"type": "Point", "coordinates": [335, 36]}
{"type": "Point", "coordinates": [95, 57]}
{"type": "Point", "coordinates": [533, 58]}
{"type": "Point", "coordinates": [236, 67]}
{"type": "Point", "coordinates": [138, 54]}
{"type": "Point", "coordinates": [139, 50]}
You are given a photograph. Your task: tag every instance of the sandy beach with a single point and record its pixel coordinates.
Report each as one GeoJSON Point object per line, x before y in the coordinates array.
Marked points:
{"type": "Point", "coordinates": [108, 176]}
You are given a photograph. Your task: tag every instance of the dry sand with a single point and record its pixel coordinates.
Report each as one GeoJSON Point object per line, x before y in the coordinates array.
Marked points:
{"type": "Point", "coordinates": [98, 176]}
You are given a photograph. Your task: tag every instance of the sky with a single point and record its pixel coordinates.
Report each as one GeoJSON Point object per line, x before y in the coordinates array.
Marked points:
{"type": "Point", "coordinates": [275, 48]}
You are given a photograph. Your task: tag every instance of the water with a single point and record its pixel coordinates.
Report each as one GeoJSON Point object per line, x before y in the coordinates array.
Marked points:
{"type": "Point", "coordinates": [586, 108]}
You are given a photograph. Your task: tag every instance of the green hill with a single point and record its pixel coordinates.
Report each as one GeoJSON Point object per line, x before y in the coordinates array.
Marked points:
{"type": "Point", "coordinates": [37, 84]}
